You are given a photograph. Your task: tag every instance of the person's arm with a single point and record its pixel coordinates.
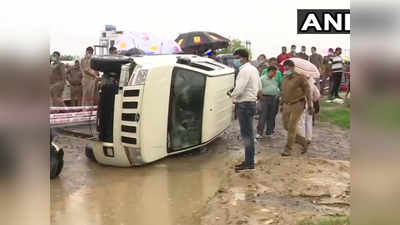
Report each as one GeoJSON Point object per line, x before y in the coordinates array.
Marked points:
{"type": "Point", "coordinates": [63, 73]}
{"type": "Point", "coordinates": [260, 87]}
{"type": "Point", "coordinates": [241, 82]}
{"type": "Point", "coordinates": [85, 64]}
{"type": "Point", "coordinates": [307, 90]}
{"type": "Point", "coordinates": [69, 75]}
{"type": "Point", "coordinates": [279, 79]}
{"type": "Point", "coordinates": [314, 92]}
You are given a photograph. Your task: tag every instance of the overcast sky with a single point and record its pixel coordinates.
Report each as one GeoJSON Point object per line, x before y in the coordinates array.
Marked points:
{"type": "Point", "coordinates": [267, 24]}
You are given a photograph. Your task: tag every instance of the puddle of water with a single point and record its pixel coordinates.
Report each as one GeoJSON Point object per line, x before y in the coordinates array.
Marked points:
{"type": "Point", "coordinates": [166, 192]}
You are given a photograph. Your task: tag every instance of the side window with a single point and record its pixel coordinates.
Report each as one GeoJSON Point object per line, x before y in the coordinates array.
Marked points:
{"type": "Point", "coordinates": [186, 109]}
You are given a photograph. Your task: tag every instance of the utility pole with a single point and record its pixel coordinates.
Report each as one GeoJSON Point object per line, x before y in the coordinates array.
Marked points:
{"type": "Point", "coordinates": [248, 45]}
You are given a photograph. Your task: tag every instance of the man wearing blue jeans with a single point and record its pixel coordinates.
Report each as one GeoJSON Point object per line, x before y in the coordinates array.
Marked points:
{"type": "Point", "coordinates": [244, 95]}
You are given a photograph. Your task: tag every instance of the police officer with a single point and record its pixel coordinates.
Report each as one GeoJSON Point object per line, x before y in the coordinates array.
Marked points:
{"type": "Point", "coordinates": [295, 93]}
{"type": "Point", "coordinates": [57, 80]}
{"type": "Point", "coordinates": [89, 79]}
{"type": "Point", "coordinates": [74, 77]}
{"type": "Point", "coordinates": [113, 50]}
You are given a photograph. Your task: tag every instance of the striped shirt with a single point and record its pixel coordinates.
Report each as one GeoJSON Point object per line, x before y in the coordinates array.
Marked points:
{"type": "Point", "coordinates": [337, 64]}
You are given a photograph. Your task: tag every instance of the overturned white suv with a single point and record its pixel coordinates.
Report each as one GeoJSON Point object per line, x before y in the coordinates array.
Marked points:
{"type": "Point", "coordinates": [154, 106]}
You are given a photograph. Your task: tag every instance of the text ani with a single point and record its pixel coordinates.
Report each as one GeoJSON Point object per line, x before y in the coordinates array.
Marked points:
{"type": "Point", "coordinates": [327, 22]}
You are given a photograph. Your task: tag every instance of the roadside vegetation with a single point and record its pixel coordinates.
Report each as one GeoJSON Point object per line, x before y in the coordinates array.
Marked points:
{"type": "Point", "coordinates": [338, 114]}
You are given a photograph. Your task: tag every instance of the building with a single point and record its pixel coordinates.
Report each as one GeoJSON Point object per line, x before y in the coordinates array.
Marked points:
{"type": "Point", "coordinates": [107, 39]}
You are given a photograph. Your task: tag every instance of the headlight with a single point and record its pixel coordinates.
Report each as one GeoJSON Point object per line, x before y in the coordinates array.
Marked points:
{"type": "Point", "coordinates": [141, 77]}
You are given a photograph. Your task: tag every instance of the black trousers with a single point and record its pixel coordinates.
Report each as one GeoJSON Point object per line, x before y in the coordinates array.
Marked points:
{"type": "Point", "coordinates": [268, 114]}
{"type": "Point", "coordinates": [336, 81]}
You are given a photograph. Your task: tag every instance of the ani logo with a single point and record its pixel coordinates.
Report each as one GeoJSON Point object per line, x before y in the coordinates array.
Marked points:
{"type": "Point", "coordinates": [323, 21]}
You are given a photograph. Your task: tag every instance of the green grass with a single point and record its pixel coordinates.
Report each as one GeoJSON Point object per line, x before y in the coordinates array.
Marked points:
{"type": "Point", "coordinates": [327, 221]}
{"type": "Point", "coordinates": [338, 114]}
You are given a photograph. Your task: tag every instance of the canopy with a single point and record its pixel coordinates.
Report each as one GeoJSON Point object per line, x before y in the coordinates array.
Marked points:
{"type": "Point", "coordinates": [147, 42]}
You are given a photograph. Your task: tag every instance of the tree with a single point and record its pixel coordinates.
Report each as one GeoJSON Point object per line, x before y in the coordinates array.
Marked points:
{"type": "Point", "coordinates": [234, 45]}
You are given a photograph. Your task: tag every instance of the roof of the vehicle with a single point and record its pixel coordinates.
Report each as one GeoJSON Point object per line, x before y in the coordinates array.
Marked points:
{"type": "Point", "coordinates": [215, 68]}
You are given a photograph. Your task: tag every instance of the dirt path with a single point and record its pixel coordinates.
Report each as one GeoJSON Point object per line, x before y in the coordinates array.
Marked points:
{"type": "Point", "coordinates": [285, 190]}
{"type": "Point", "coordinates": [280, 191]}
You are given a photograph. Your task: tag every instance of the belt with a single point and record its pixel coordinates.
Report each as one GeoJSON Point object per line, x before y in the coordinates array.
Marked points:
{"type": "Point", "coordinates": [246, 102]}
{"type": "Point", "coordinates": [300, 100]}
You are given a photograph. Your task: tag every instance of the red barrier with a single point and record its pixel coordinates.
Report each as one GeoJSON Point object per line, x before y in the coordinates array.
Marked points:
{"type": "Point", "coordinates": [66, 115]}
{"type": "Point", "coordinates": [72, 109]}
{"type": "Point", "coordinates": [73, 114]}
{"type": "Point", "coordinates": [72, 120]}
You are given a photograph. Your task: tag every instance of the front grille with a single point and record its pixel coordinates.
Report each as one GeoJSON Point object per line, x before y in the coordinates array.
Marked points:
{"type": "Point", "coordinates": [129, 129]}
{"type": "Point", "coordinates": [131, 93]}
{"type": "Point", "coordinates": [133, 117]}
{"type": "Point", "coordinates": [128, 140]}
{"type": "Point", "coordinates": [129, 105]}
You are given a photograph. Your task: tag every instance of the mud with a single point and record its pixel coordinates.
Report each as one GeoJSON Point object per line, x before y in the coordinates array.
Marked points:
{"type": "Point", "coordinates": [168, 191]}
{"type": "Point", "coordinates": [286, 190]}
{"type": "Point", "coordinates": [201, 187]}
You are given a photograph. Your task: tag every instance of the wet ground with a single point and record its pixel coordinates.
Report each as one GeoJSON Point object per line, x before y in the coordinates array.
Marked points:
{"type": "Point", "coordinates": [286, 190]}
{"type": "Point", "coordinates": [192, 188]}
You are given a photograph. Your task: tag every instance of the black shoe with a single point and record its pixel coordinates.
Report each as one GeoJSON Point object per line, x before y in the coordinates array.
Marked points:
{"type": "Point", "coordinates": [244, 168]}
{"type": "Point", "coordinates": [241, 164]}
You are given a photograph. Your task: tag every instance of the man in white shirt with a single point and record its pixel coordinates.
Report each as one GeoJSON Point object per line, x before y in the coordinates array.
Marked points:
{"type": "Point", "coordinates": [245, 95]}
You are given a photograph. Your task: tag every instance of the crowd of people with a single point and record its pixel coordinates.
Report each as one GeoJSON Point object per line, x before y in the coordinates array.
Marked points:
{"type": "Point", "coordinates": [266, 87]}
{"type": "Point", "coordinates": [273, 83]}
{"type": "Point", "coordinates": [81, 81]}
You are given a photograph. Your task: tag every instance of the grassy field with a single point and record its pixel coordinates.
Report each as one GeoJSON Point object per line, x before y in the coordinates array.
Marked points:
{"type": "Point", "coordinates": [328, 221]}
{"type": "Point", "coordinates": [338, 114]}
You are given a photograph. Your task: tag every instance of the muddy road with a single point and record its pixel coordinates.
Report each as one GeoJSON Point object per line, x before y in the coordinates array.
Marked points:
{"type": "Point", "coordinates": [200, 187]}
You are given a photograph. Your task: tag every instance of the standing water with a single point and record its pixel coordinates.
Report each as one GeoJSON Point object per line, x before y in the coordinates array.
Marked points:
{"type": "Point", "coordinates": [169, 191]}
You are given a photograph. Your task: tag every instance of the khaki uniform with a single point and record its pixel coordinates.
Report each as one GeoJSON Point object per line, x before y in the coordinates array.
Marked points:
{"type": "Point", "coordinates": [57, 82]}
{"type": "Point", "coordinates": [75, 79]}
{"type": "Point", "coordinates": [295, 93]}
{"type": "Point", "coordinates": [88, 83]}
